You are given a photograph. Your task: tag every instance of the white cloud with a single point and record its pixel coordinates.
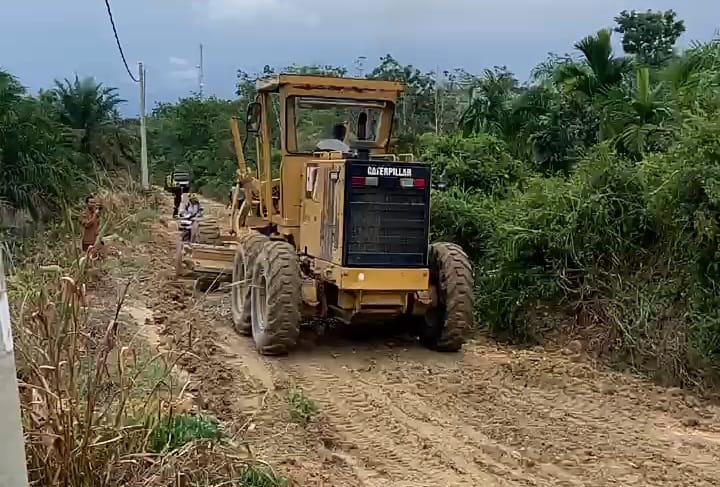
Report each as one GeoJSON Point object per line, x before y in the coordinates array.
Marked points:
{"type": "Point", "coordinates": [181, 69]}
{"type": "Point", "coordinates": [178, 61]}
{"type": "Point", "coordinates": [184, 74]}
{"type": "Point", "coordinates": [388, 18]}
{"type": "Point", "coordinates": [272, 10]}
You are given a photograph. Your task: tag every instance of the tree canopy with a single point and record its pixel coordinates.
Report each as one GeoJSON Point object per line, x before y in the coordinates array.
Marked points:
{"type": "Point", "coordinates": [650, 36]}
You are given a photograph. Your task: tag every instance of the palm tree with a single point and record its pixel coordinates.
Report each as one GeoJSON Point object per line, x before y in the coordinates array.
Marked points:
{"type": "Point", "coordinates": [694, 79]}
{"type": "Point", "coordinates": [490, 108]}
{"type": "Point", "coordinates": [86, 107]}
{"type": "Point", "coordinates": [636, 120]}
{"type": "Point", "coordinates": [598, 71]}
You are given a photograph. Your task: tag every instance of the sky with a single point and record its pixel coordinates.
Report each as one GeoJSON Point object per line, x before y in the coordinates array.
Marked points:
{"type": "Point", "coordinates": [41, 40]}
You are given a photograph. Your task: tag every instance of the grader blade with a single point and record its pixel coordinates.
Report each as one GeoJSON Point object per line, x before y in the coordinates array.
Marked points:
{"type": "Point", "coordinates": [202, 261]}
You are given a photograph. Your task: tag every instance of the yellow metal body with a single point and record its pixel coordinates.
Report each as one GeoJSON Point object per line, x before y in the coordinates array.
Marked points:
{"type": "Point", "coordinates": [292, 169]}
{"type": "Point", "coordinates": [308, 208]}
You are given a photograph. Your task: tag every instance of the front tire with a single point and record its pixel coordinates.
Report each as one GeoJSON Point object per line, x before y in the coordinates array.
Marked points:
{"type": "Point", "coordinates": [249, 247]}
{"type": "Point", "coordinates": [451, 274]}
{"type": "Point", "coordinates": [276, 299]}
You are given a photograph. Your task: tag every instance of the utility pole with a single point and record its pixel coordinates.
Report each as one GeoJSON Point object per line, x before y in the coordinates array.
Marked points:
{"type": "Point", "coordinates": [143, 132]}
{"type": "Point", "coordinates": [201, 73]}
{"type": "Point", "coordinates": [13, 467]}
{"type": "Point", "coordinates": [437, 98]}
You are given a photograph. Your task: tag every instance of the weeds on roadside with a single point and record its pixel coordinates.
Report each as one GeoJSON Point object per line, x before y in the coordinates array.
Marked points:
{"type": "Point", "coordinates": [260, 476]}
{"type": "Point", "coordinates": [302, 409]}
{"type": "Point", "coordinates": [83, 415]}
{"type": "Point", "coordinates": [97, 405]}
{"type": "Point", "coordinates": [175, 431]}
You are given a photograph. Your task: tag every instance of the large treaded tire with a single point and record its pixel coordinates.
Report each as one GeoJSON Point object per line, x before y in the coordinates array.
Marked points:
{"type": "Point", "coordinates": [276, 298]}
{"type": "Point", "coordinates": [249, 247]}
{"type": "Point", "coordinates": [451, 273]}
{"type": "Point", "coordinates": [206, 231]}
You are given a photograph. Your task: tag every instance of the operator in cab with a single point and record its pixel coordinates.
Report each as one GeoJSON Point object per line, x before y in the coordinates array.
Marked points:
{"type": "Point", "coordinates": [337, 143]}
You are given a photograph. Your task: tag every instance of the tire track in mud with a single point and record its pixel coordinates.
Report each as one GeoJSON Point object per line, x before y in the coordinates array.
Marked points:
{"type": "Point", "coordinates": [562, 435]}
{"type": "Point", "coordinates": [378, 439]}
{"type": "Point", "coordinates": [407, 449]}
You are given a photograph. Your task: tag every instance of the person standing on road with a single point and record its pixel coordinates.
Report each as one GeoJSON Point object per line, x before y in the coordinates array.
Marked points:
{"type": "Point", "coordinates": [90, 221]}
{"type": "Point", "coordinates": [177, 194]}
{"type": "Point", "coordinates": [231, 197]}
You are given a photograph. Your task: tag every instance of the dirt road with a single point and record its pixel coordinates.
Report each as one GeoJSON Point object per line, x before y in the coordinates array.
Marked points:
{"type": "Point", "coordinates": [394, 414]}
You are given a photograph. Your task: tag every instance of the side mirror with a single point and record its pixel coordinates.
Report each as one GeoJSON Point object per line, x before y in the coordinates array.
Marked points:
{"type": "Point", "coordinates": [252, 120]}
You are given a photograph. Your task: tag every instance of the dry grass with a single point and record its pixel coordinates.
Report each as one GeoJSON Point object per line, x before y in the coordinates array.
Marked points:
{"type": "Point", "coordinates": [99, 407]}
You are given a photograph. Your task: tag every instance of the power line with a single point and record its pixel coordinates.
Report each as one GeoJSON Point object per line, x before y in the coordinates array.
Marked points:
{"type": "Point", "coordinates": [117, 40]}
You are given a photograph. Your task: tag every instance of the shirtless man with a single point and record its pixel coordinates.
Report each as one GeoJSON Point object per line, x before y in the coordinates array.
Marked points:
{"type": "Point", "coordinates": [90, 220]}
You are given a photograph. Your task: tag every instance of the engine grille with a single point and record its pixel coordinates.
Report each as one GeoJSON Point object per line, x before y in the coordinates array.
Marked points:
{"type": "Point", "coordinates": [386, 225]}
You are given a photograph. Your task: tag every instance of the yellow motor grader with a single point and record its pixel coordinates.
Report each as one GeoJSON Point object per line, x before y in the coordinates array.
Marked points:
{"type": "Point", "coordinates": [341, 233]}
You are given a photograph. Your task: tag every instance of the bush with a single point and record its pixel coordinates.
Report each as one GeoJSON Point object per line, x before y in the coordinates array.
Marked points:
{"type": "Point", "coordinates": [558, 235]}
{"type": "Point", "coordinates": [529, 245]}
{"type": "Point", "coordinates": [194, 134]}
{"type": "Point", "coordinates": [482, 162]}
{"type": "Point", "coordinates": [683, 197]}
{"type": "Point", "coordinates": [463, 217]}
{"type": "Point", "coordinates": [37, 167]}
{"type": "Point", "coordinates": [640, 238]}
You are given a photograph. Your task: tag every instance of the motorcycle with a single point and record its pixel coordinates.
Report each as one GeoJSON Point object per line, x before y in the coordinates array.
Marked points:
{"type": "Point", "coordinates": [186, 220]}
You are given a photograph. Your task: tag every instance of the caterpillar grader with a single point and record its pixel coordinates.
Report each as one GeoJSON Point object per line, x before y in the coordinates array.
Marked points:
{"type": "Point", "coordinates": [341, 234]}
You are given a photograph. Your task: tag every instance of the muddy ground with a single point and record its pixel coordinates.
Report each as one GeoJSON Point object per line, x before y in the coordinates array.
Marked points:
{"type": "Point", "coordinates": [394, 414]}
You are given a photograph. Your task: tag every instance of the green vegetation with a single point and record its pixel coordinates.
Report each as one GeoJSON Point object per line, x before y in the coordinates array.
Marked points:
{"type": "Point", "coordinates": [623, 230]}
{"type": "Point", "coordinates": [56, 146]}
{"type": "Point", "coordinates": [194, 135]}
{"type": "Point", "coordinates": [592, 188]}
{"type": "Point", "coordinates": [259, 476]}
{"type": "Point", "coordinates": [172, 432]}
{"type": "Point", "coordinates": [302, 409]}
{"type": "Point", "coordinates": [649, 35]}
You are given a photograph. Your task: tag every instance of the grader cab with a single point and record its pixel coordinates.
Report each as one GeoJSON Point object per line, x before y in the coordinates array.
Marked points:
{"type": "Point", "coordinates": [339, 234]}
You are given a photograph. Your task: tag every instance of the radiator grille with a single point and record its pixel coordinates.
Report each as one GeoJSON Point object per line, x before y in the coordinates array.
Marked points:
{"type": "Point", "coordinates": [386, 225]}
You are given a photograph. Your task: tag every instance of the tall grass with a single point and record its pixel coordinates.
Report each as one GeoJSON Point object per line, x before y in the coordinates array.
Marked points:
{"type": "Point", "coordinates": [100, 408]}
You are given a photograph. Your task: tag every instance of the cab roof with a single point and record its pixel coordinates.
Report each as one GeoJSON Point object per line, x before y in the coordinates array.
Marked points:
{"type": "Point", "coordinates": [272, 84]}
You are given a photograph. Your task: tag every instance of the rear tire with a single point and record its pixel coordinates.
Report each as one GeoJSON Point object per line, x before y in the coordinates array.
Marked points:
{"type": "Point", "coordinates": [206, 231]}
{"type": "Point", "coordinates": [451, 274]}
{"type": "Point", "coordinates": [276, 298]}
{"type": "Point", "coordinates": [249, 247]}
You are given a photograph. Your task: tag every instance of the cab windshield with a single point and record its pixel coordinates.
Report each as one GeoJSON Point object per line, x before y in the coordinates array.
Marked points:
{"type": "Point", "coordinates": [316, 117]}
